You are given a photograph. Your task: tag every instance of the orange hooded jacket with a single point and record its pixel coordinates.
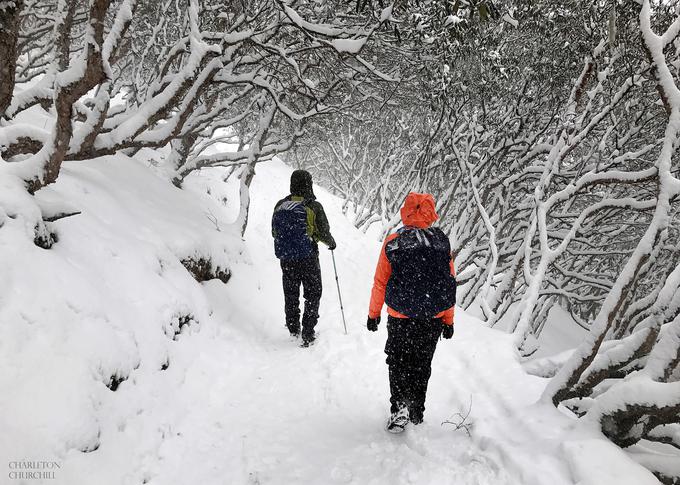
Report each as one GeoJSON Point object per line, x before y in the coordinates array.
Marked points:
{"type": "Point", "coordinates": [418, 211]}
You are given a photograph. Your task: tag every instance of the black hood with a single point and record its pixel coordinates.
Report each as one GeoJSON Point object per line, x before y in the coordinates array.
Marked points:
{"type": "Point", "coordinates": [301, 184]}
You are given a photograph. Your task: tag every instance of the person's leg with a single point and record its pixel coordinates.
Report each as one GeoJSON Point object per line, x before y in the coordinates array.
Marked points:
{"type": "Point", "coordinates": [291, 294]}
{"type": "Point", "coordinates": [421, 376]}
{"type": "Point", "coordinates": [421, 366]}
{"type": "Point", "coordinates": [311, 283]}
{"type": "Point", "coordinates": [396, 349]}
{"type": "Point", "coordinates": [399, 385]}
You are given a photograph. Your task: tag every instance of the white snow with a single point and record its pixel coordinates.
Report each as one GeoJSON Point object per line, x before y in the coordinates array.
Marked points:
{"type": "Point", "coordinates": [352, 46]}
{"type": "Point", "coordinates": [323, 29]}
{"type": "Point", "coordinates": [507, 18]}
{"type": "Point", "coordinates": [452, 20]}
{"type": "Point", "coordinates": [239, 402]}
{"type": "Point", "coordinates": [591, 461]}
{"type": "Point", "coordinates": [386, 13]}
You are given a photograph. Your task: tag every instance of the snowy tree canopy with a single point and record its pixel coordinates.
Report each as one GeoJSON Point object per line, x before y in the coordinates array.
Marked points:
{"type": "Point", "coordinates": [548, 133]}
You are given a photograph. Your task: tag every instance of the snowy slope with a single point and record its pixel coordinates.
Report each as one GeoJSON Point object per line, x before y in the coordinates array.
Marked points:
{"type": "Point", "coordinates": [231, 399]}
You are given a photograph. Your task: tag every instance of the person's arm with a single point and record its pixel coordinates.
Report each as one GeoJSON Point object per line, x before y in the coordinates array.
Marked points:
{"type": "Point", "coordinates": [323, 228]}
{"type": "Point", "coordinates": [383, 271]}
{"type": "Point", "coordinates": [273, 213]}
{"type": "Point", "coordinates": [447, 315]}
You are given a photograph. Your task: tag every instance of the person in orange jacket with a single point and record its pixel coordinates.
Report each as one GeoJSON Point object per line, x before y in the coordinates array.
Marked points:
{"type": "Point", "coordinates": [416, 278]}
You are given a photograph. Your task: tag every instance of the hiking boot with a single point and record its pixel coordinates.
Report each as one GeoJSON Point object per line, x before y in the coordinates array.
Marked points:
{"type": "Point", "coordinates": [294, 330]}
{"type": "Point", "coordinates": [307, 341]}
{"type": "Point", "coordinates": [398, 421]}
{"type": "Point", "coordinates": [416, 414]}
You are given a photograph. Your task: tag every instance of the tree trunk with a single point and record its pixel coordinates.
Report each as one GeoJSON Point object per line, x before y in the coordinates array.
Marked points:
{"type": "Point", "coordinates": [69, 93]}
{"type": "Point", "coordinates": [246, 179]}
{"type": "Point", "coordinates": [9, 33]}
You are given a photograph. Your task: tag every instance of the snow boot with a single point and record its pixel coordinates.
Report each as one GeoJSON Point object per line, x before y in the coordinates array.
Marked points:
{"type": "Point", "coordinates": [398, 420]}
{"type": "Point", "coordinates": [293, 325]}
{"type": "Point", "coordinates": [415, 413]}
{"type": "Point", "coordinates": [307, 341]}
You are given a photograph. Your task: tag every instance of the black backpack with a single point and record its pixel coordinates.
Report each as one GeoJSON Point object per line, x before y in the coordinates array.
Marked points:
{"type": "Point", "coordinates": [421, 284]}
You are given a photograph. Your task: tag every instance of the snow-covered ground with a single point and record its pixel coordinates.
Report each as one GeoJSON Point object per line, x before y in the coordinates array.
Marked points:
{"type": "Point", "coordinates": [230, 399]}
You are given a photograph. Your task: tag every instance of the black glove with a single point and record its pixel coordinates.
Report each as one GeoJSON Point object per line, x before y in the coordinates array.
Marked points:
{"type": "Point", "coordinates": [332, 245]}
{"type": "Point", "coordinates": [372, 323]}
{"type": "Point", "coordinates": [447, 331]}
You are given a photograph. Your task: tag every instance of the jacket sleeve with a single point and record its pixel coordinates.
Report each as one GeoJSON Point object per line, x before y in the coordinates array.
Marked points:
{"type": "Point", "coordinates": [273, 230]}
{"type": "Point", "coordinates": [382, 274]}
{"type": "Point", "coordinates": [273, 214]}
{"type": "Point", "coordinates": [447, 315]}
{"type": "Point", "coordinates": [323, 228]}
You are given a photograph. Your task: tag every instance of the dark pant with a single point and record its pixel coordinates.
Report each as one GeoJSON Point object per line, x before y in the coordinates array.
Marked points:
{"type": "Point", "coordinates": [410, 348]}
{"type": "Point", "coordinates": [308, 273]}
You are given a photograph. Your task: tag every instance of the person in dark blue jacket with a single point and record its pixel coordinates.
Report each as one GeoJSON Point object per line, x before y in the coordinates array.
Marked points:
{"type": "Point", "coordinates": [298, 224]}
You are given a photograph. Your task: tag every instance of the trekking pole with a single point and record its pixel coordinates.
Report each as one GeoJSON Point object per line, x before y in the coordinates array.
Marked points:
{"type": "Point", "coordinates": [342, 310]}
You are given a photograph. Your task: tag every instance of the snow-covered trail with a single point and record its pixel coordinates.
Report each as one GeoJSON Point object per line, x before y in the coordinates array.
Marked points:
{"type": "Point", "coordinates": [256, 408]}
{"type": "Point", "coordinates": [230, 399]}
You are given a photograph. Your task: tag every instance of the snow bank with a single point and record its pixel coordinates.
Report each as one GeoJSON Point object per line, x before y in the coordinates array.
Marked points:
{"type": "Point", "coordinates": [99, 314]}
{"type": "Point", "coordinates": [596, 462]}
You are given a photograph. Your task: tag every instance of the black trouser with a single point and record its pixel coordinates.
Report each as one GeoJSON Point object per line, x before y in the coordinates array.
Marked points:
{"type": "Point", "coordinates": [308, 273]}
{"type": "Point", "coordinates": [410, 348]}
